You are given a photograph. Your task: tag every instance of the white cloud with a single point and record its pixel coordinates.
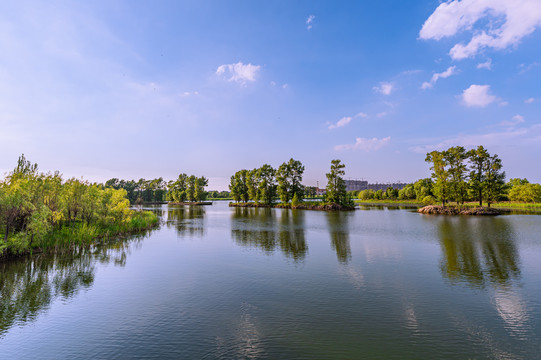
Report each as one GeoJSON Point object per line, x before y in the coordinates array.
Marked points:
{"type": "Point", "coordinates": [361, 115]}
{"type": "Point", "coordinates": [382, 114]}
{"type": "Point", "coordinates": [346, 120]}
{"type": "Point", "coordinates": [478, 96]}
{"type": "Point", "coordinates": [239, 72]}
{"type": "Point", "coordinates": [284, 86]}
{"type": "Point", "coordinates": [529, 101]}
{"type": "Point", "coordinates": [310, 21]}
{"type": "Point", "coordinates": [342, 122]}
{"type": "Point", "coordinates": [486, 65]}
{"type": "Point", "coordinates": [189, 93]}
{"type": "Point", "coordinates": [508, 22]}
{"type": "Point", "coordinates": [515, 120]}
{"type": "Point", "coordinates": [384, 88]}
{"type": "Point", "coordinates": [364, 144]}
{"type": "Point", "coordinates": [443, 75]}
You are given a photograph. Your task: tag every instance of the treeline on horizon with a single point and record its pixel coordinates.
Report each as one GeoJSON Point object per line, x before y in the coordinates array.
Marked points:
{"type": "Point", "coordinates": [184, 188]}
{"type": "Point", "coordinates": [44, 210]}
{"type": "Point", "coordinates": [462, 176]}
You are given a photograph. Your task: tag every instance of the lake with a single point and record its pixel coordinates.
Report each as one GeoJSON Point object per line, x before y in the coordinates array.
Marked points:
{"type": "Point", "coordinates": [215, 282]}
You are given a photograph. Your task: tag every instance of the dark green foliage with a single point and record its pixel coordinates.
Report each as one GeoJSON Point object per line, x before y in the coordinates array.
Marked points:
{"type": "Point", "coordinates": [289, 177]}
{"type": "Point", "coordinates": [486, 180]}
{"type": "Point", "coordinates": [336, 186]}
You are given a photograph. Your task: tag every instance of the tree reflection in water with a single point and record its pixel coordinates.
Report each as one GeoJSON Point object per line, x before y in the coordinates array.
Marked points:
{"type": "Point", "coordinates": [479, 251]}
{"type": "Point", "coordinates": [259, 228]}
{"type": "Point", "coordinates": [338, 225]}
{"type": "Point", "coordinates": [187, 220]}
{"type": "Point", "coordinates": [28, 286]}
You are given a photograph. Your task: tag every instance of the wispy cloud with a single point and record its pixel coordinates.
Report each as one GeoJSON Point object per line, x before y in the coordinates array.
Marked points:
{"type": "Point", "coordinates": [239, 72]}
{"type": "Point", "coordinates": [478, 96]}
{"type": "Point", "coordinates": [520, 18]}
{"type": "Point", "coordinates": [523, 68]}
{"type": "Point", "coordinates": [340, 123]}
{"type": "Point", "coordinates": [486, 65]}
{"type": "Point", "coordinates": [385, 88]}
{"type": "Point", "coordinates": [346, 120]}
{"type": "Point", "coordinates": [364, 144]}
{"type": "Point", "coordinates": [529, 101]}
{"type": "Point", "coordinates": [443, 75]}
{"type": "Point", "coordinates": [310, 21]}
{"type": "Point", "coordinates": [515, 120]}
{"type": "Point", "coordinates": [495, 138]}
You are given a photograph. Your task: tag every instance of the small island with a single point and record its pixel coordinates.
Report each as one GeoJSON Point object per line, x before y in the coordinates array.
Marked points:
{"type": "Point", "coordinates": [455, 210]}
{"type": "Point", "coordinates": [262, 186]}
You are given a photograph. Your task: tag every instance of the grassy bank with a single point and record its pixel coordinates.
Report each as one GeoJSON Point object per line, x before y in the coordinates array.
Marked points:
{"type": "Point", "coordinates": [77, 233]}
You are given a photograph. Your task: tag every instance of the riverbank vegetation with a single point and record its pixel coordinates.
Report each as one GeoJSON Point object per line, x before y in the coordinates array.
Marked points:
{"type": "Point", "coordinates": [43, 211]}
{"type": "Point", "coordinates": [262, 187]}
{"type": "Point", "coordinates": [142, 190]}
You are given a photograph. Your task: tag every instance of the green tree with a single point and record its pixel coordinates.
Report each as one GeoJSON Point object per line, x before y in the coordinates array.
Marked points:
{"type": "Point", "coordinates": [238, 186]}
{"type": "Point", "coordinates": [456, 158]}
{"type": "Point", "coordinates": [440, 174]}
{"type": "Point", "coordinates": [267, 184]}
{"type": "Point", "coordinates": [478, 161]}
{"type": "Point", "coordinates": [200, 184]}
{"type": "Point", "coordinates": [336, 186]}
{"type": "Point", "coordinates": [289, 177]}
{"type": "Point", "coordinates": [494, 179]}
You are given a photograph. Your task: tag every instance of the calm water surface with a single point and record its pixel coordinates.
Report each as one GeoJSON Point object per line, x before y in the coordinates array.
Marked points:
{"type": "Point", "coordinates": [222, 283]}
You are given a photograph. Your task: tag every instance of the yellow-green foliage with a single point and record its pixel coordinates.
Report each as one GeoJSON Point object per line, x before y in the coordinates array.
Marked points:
{"type": "Point", "coordinates": [41, 210]}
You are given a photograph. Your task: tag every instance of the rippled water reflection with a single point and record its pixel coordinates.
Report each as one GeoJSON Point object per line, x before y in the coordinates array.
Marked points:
{"type": "Point", "coordinates": [244, 283]}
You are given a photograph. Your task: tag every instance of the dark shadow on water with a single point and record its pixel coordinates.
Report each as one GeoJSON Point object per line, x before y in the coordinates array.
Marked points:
{"type": "Point", "coordinates": [187, 220]}
{"type": "Point", "coordinates": [478, 251]}
{"type": "Point", "coordinates": [28, 286]}
{"type": "Point", "coordinates": [338, 225]}
{"type": "Point", "coordinates": [270, 229]}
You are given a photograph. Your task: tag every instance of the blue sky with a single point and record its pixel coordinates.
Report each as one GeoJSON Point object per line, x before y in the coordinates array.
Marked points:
{"type": "Point", "coordinates": [134, 89]}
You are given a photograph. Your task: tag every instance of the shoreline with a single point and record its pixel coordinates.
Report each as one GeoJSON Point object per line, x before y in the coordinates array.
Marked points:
{"type": "Point", "coordinates": [301, 206]}
{"type": "Point", "coordinates": [54, 243]}
{"type": "Point", "coordinates": [454, 210]}
{"type": "Point", "coordinates": [196, 203]}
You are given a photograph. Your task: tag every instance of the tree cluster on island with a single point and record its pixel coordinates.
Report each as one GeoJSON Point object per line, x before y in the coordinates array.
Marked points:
{"type": "Point", "coordinates": [39, 210]}
{"type": "Point", "coordinates": [187, 189]}
{"type": "Point", "coordinates": [265, 185]}
{"type": "Point", "coordinates": [460, 175]}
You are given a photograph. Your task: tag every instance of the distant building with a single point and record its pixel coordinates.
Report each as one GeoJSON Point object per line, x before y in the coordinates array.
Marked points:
{"type": "Point", "coordinates": [358, 185]}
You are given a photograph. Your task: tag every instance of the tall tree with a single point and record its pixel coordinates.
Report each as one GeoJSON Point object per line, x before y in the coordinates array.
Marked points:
{"type": "Point", "coordinates": [336, 186]}
{"type": "Point", "coordinates": [238, 186]}
{"type": "Point", "coordinates": [478, 160]}
{"type": "Point", "coordinates": [267, 184]}
{"type": "Point", "coordinates": [494, 179]}
{"type": "Point", "coordinates": [289, 177]}
{"type": "Point", "coordinates": [456, 159]}
{"type": "Point", "coordinates": [200, 184]}
{"type": "Point", "coordinates": [440, 174]}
